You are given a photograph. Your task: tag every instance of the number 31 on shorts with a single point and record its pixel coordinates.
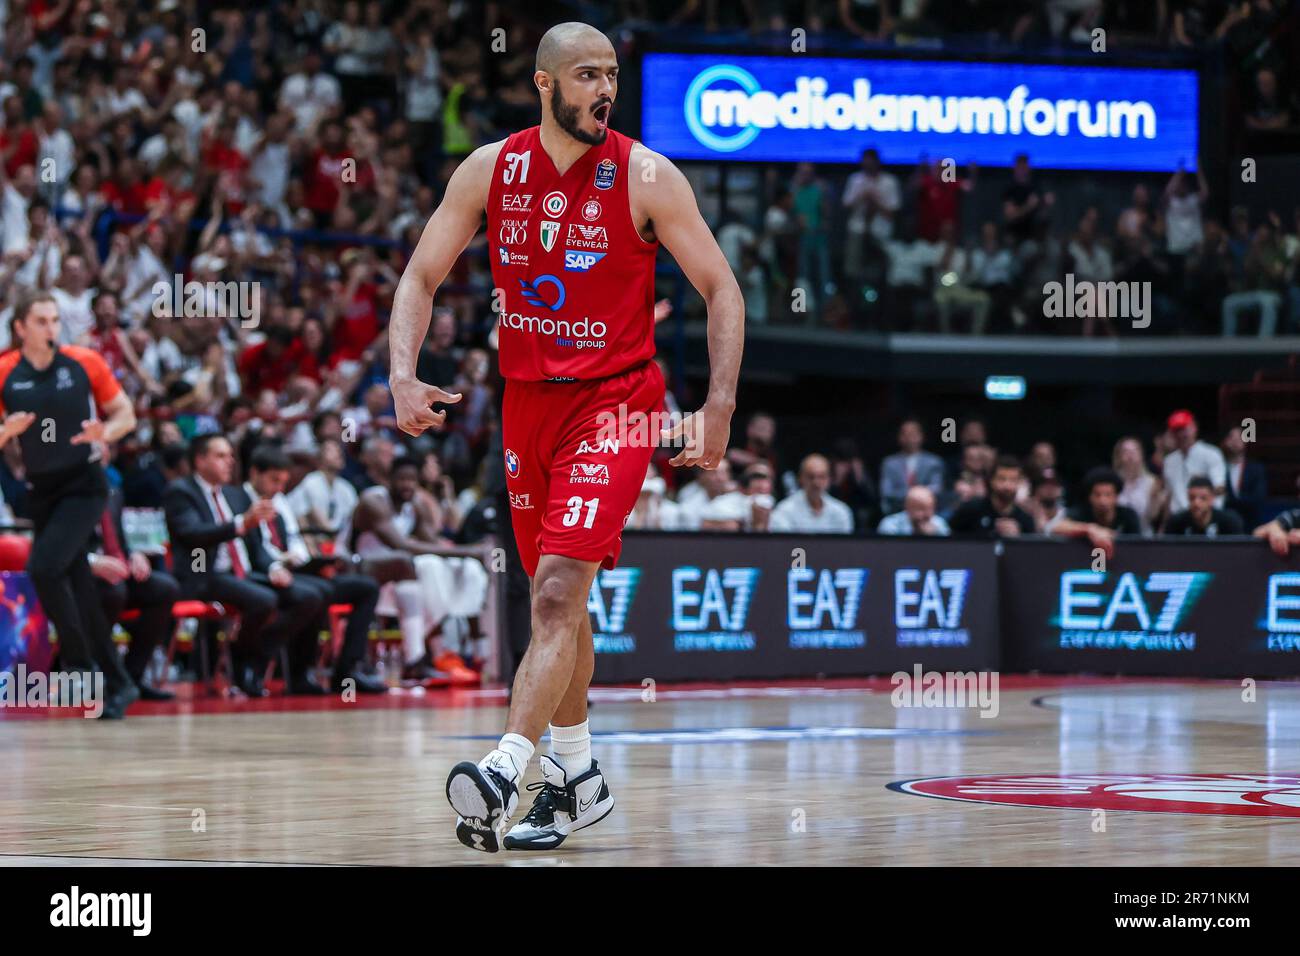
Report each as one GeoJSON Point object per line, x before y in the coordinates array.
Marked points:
{"type": "Point", "coordinates": [576, 504]}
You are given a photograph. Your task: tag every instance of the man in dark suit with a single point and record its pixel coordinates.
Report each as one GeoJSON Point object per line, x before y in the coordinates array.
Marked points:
{"type": "Point", "coordinates": [1247, 480]}
{"type": "Point", "coordinates": [127, 580]}
{"type": "Point", "coordinates": [217, 559]}
{"type": "Point", "coordinates": [911, 466]}
{"type": "Point", "coordinates": [282, 540]}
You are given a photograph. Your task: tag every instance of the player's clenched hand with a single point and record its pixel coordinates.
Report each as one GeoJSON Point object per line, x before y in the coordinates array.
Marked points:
{"type": "Point", "coordinates": [414, 400]}
{"type": "Point", "coordinates": [705, 434]}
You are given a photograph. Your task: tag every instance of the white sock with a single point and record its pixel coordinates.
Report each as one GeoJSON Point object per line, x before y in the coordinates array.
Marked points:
{"type": "Point", "coordinates": [519, 749]}
{"type": "Point", "coordinates": [571, 748]}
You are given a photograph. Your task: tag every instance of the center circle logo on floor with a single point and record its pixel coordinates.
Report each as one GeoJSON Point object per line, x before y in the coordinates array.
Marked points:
{"type": "Point", "coordinates": [512, 464]}
{"type": "Point", "coordinates": [1234, 794]}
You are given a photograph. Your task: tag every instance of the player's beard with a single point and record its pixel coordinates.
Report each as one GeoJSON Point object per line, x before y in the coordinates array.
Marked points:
{"type": "Point", "coordinates": [566, 114]}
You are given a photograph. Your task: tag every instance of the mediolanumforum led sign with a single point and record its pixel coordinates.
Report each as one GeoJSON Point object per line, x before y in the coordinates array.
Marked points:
{"type": "Point", "coordinates": [786, 109]}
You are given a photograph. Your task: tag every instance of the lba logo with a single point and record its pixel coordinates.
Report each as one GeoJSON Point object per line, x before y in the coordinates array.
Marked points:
{"type": "Point", "coordinates": [608, 602]}
{"type": "Point", "coordinates": [928, 606]}
{"type": "Point", "coordinates": [1140, 614]}
{"type": "Point", "coordinates": [711, 608]}
{"type": "Point", "coordinates": [822, 607]}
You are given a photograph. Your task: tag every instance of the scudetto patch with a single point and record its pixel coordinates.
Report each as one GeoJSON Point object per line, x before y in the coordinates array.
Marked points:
{"type": "Point", "coordinates": [1234, 794]}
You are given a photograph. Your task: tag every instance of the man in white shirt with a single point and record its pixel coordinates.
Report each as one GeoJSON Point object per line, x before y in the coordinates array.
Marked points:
{"type": "Point", "coordinates": [310, 94]}
{"type": "Point", "coordinates": [811, 509]}
{"type": "Point", "coordinates": [917, 516]}
{"type": "Point", "coordinates": [1191, 459]}
{"type": "Point", "coordinates": [75, 298]}
{"type": "Point", "coordinates": [873, 198]}
{"type": "Point", "coordinates": [324, 498]}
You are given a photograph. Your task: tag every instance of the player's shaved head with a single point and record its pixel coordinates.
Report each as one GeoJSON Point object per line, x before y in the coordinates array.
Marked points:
{"type": "Point", "coordinates": [564, 41]}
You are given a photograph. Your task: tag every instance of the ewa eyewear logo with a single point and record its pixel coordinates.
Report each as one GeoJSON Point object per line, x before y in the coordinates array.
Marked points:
{"type": "Point", "coordinates": [726, 108]}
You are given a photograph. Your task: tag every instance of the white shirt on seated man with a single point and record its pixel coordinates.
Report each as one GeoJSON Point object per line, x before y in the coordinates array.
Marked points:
{"type": "Point", "coordinates": [811, 509]}
{"type": "Point", "coordinates": [917, 516]}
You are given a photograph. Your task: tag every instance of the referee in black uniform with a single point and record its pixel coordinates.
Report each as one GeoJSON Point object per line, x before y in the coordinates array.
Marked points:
{"type": "Point", "coordinates": [50, 396]}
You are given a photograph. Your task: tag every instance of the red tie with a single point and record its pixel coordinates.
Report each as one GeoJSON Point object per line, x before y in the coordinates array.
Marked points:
{"type": "Point", "coordinates": [112, 545]}
{"type": "Point", "coordinates": [236, 563]}
{"type": "Point", "coordinates": [276, 540]}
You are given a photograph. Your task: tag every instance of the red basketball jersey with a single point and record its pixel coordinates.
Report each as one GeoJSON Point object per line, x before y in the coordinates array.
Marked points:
{"type": "Point", "coordinates": [576, 279]}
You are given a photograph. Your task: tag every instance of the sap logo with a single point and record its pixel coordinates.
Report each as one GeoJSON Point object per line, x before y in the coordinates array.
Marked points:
{"type": "Point", "coordinates": [587, 237]}
{"type": "Point", "coordinates": [1181, 589]}
{"type": "Point", "coordinates": [938, 601]}
{"type": "Point", "coordinates": [831, 602]}
{"type": "Point", "coordinates": [608, 446]}
{"type": "Point", "coordinates": [1281, 601]}
{"type": "Point", "coordinates": [710, 607]}
{"type": "Point", "coordinates": [581, 261]}
{"type": "Point", "coordinates": [532, 291]}
{"type": "Point", "coordinates": [586, 474]}
{"type": "Point", "coordinates": [609, 616]}
{"type": "Point", "coordinates": [520, 502]}
{"type": "Point", "coordinates": [517, 203]}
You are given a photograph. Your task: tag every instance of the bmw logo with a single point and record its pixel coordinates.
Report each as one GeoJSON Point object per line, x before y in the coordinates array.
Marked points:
{"type": "Point", "coordinates": [512, 464]}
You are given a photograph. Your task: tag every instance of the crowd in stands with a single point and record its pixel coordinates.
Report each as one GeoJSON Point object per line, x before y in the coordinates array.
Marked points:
{"type": "Point", "coordinates": [1180, 485]}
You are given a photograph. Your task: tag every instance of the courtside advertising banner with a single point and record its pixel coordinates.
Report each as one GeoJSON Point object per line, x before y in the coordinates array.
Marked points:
{"type": "Point", "coordinates": [1226, 609]}
{"type": "Point", "coordinates": [716, 607]}
{"type": "Point", "coordinates": [829, 109]}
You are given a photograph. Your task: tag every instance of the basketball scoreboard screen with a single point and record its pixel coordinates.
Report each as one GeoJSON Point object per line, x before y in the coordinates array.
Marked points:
{"type": "Point", "coordinates": [825, 109]}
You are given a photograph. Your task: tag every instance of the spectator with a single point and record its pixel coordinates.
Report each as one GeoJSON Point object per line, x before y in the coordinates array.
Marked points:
{"type": "Point", "coordinates": [952, 285]}
{"type": "Point", "coordinates": [910, 466]}
{"type": "Point", "coordinates": [324, 499]}
{"type": "Point", "coordinates": [759, 446]}
{"type": "Point", "coordinates": [1143, 492]}
{"type": "Point", "coordinates": [810, 204]}
{"type": "Point", "coordinates": [917, 516]}
{"type": "Point", "coordinates": [997, 515]}
{"type": "Point", "coordinates": [1044, 503]}
{"type": "Point", "coordinates": [873, 198]}
{"type": "Point", "coordinates": [1262, 282]}
{"type": "Point", "coordinates": [695, 497]}
{"type": "Point", "coordinates": [1247, 482]}
{"type": "Point", "coordinates": [748, 508]}
{"type": "Point", "coordinates": [1191, 458]}
{"type": "Point", "coordinates": [1270, 111]}
{"type": "Point", "coordinates": [1101, 516]}
{"type": "Point", "coordinates": [811, 509]}
{"type": "Point", "coordinates": [1201, 517]}
{"type": "Point", "coordinates": [654, 510]}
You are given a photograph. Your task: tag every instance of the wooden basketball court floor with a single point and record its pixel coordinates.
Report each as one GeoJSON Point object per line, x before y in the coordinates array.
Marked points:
{"type": "Point", "coordinates": [753, 774]}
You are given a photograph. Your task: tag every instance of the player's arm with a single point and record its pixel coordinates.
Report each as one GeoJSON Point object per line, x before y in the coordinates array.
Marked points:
{"type": "Point", "coordinates": [1098, 536]}
{"type": "Point", "coordinates": [447, 233]}
{"type": "Point", "coordinates": [669, 204]}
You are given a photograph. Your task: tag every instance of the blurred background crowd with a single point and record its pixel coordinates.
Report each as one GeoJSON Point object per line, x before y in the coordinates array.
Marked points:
{"type": "Point", "coordinates": [298, 148]}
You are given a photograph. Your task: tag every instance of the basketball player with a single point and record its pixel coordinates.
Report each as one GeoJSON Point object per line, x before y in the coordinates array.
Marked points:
{"type": "Point", "coordinates": [575, 216]}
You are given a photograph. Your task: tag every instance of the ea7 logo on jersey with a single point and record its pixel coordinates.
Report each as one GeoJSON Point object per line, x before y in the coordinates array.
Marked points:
{"type": "Point", "coordinates": [822, 606]}
{"type": "Point", "coordinates": [582, 236]}
{"type": "Point", "coordinates": [517, 202]}
{"type": "Point", "coordinates": [608, 446]}
{"type": "Point", "coordinates": [520, 502]}
{"type": "Point", "coordinates": [581, 261]}
{"type": "Point", "coordinates": [516, 164]}
{"type": "Point", "coordinates": [584, 473]}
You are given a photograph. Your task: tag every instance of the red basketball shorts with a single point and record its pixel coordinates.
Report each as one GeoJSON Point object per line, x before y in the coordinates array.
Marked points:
{"type": "Point", "coordinates": [573, 473]}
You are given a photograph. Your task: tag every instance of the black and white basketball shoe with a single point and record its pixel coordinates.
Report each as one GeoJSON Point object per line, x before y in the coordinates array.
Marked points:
{"type": "Point", "coordinates": [561, 807]}
{"type": "Point", "coordinates": [484, 796]}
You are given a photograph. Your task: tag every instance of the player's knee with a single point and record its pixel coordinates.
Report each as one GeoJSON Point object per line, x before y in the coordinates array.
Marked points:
{"type": "Point", "coordinates": [554, 606]}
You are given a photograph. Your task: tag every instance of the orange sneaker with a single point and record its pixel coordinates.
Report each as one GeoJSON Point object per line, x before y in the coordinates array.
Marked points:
{"type": "Point", "coordinates": [451, 664]}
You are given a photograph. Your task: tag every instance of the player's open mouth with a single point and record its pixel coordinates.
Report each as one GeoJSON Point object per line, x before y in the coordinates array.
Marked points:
{"type": "Point", "coordinates": [601, 113]}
